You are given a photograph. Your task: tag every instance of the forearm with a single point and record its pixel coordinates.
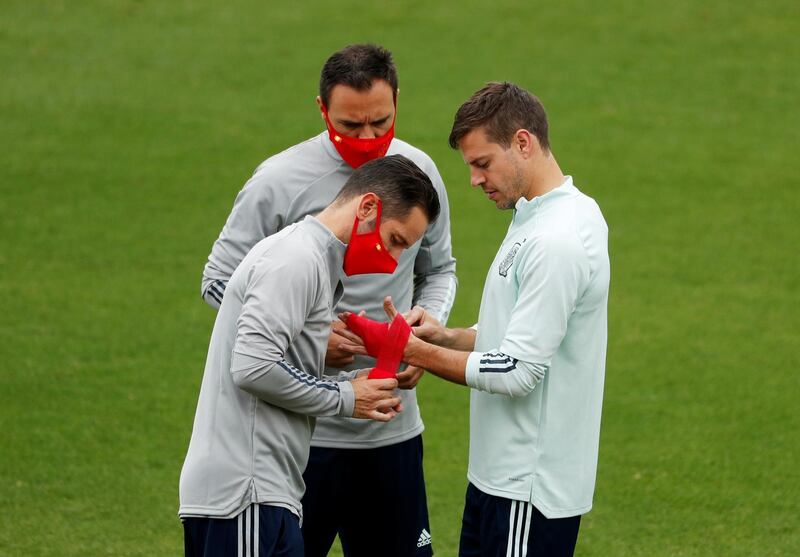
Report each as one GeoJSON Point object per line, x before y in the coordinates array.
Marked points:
{"type": "Point", "coordinates": [281, 384]}
{"type": "Point", "coordinates": [459, 339]}
{"type": "Point", "coordinates": [443, 362]}
{"type": "Point", "coordinates": [493, 372]}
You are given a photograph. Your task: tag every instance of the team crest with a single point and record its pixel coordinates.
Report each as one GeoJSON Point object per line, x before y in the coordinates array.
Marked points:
{"type": "Point", "coordinates": [508, 260]}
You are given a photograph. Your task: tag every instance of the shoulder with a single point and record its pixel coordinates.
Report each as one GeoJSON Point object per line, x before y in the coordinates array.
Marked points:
{"type": "Point", "coordinates": [285, 251]}
{"type": "Point", "coordinates": [420, 157]}
{"type": "Point", "coordinates": [298, 165]}
{"type": "Point", "coordinates": [573, 228]}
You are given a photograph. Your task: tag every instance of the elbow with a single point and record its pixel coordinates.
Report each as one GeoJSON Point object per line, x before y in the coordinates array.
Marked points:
{"type": "Point", "coordinates": [243, 380]}
{"type": "Point", "coordinates": [247, 371]}
{"type": "Point", "coordinates": [521, 388]}
{"type": "Point", "coordinates": [525, 378]}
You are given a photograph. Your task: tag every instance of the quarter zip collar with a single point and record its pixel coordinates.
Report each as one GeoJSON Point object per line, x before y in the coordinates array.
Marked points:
{"type": "Point", "coordinates": [525, 209]}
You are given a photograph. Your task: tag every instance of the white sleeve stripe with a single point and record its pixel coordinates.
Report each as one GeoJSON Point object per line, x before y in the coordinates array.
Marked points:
{"type": "Point", "coordinates": [447, 303]}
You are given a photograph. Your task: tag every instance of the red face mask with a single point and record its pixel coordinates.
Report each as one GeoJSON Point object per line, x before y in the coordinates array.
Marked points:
{"type": "Point", "coordinates": [356, 151]}
{"type": "Point", "coordinates": [366, 253]}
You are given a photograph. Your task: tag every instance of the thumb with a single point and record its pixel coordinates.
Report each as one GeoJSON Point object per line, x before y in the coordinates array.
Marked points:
{"type": "Point", "coordinates": [388, 307]}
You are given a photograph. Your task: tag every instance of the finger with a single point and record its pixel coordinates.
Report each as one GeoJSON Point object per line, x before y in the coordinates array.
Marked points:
{"type": "Point", "coordinates": [351, 348]}
{"type": "Point", "coordinates": [343, 316]}
{"type": "Point", "coordinates": [388, 307]}
{"type": "Point", "coordinates": [414, 316]}
{"type": "Point", "coordinates": [351, 336]}
{"type": "Point", "coordinates": [337, 336]}
{"type": "Point", "coordinates": [389, 403]}
{"type": "Point", "coordinates": [406, 382]}
{"type": "Point", "coordinates": [388, 384]}
{"type": "Point", "coordinates": [381, 416]}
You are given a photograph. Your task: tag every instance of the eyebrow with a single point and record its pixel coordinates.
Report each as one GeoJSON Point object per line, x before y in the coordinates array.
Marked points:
{"type": "Point", "coordinates": [373, 123]}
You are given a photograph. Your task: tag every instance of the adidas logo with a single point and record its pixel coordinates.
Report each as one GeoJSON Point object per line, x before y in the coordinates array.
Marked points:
{"type": "Point", "coordinates": [424, 538]}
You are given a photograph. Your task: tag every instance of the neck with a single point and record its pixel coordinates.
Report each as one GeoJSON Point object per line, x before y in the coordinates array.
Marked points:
{"type": "Point", "coordinates": [544, 177]}
{"type": "Point", "coordinates": [339, 220]}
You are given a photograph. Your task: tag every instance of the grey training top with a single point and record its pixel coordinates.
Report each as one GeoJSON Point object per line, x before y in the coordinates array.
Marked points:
{"type": "Point", "coordinates": [261, 386]}
{"type": "Point", "coordinates": [302, 181]}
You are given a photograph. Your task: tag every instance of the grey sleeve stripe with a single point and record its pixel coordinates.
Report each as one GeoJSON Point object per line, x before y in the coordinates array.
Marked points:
{"type": "Point", "coordinates": [307, 379]}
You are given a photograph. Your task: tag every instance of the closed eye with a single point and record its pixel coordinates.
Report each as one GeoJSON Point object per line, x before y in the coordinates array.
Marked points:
{"type": "Point", "coordinates": [480, 163]}
{"type": "Point", "coordinates": [398, 241]}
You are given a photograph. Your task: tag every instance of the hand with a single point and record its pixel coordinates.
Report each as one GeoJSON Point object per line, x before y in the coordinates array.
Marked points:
{"type": "Point", "coordinates": [375, 399]}
{"type": "Point", "coordinates": [408, 378]}
{"type": "Point", "coordinates": [336, 356]}
{"type": "Point", "coordinates": [424, 325]}
{"type": "Point", "coordinates": [351, 343]}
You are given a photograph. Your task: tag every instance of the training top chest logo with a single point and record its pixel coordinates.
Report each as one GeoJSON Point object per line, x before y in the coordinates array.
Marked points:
{"type": "Point", "coordinates": [508, 260]}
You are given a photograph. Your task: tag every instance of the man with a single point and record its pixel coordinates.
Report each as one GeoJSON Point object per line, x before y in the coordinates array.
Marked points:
{"type": "Point", "coordinates": [536, 360]}
{"type": "Point", "coordinates": [357, 101]}
{"type": "Point", "coordinates": [241, 483]}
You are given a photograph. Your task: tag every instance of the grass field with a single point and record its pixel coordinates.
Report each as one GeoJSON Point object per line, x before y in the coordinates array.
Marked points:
{"type": "Point", "coordinates": [127, 128]}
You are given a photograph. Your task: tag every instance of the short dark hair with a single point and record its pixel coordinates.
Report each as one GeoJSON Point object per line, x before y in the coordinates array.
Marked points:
{"type": "Point", "coordinates": [357, 66]}
{"type": "Point", "coordinates": [399, 183]}
{"type": "Point", "coordinates": [501, 109]}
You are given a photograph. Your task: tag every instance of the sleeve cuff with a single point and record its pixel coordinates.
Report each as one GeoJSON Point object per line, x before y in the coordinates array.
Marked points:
{"type": "Point", "coordinates": [347, 401]}
{"type": "Point", "coordinates": [472, 370]}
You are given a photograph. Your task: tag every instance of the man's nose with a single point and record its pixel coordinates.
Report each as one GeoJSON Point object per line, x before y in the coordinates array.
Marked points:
{"type": "Point", "coordinates": [366, 132]}
{"type": "Point", "coordinates": [476, 177]}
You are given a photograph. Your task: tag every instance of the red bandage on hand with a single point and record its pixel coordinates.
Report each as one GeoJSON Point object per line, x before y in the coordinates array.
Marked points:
{"type": "Point", "coordinates": [371, 332]}
{"type": "Point", "coordinates": [391, 353]}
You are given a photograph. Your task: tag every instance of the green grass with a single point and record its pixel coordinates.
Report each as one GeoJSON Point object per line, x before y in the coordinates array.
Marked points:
{"type": "Point", "coordinates": [126, 129]}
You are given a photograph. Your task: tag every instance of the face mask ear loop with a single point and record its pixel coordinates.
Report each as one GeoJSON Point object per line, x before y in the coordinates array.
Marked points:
{"type": "Point", "coordinates": [377, 222]}
{"type": "Point", "coordinates": [354, 233]}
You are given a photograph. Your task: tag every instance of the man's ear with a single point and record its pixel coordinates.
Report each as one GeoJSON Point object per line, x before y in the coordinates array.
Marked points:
{"type": "Point", "coordinates": [367, 207]}
{"type": "Point", "coordinates": [526, 143]}
{"type": "Point", "coordinates": [320, 105]}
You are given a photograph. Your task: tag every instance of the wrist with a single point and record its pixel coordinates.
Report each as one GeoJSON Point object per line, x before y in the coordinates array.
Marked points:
{"type": "Point", "coordinates": [412, 351]}
{"type": "Point", "coordinates": [448, 339]}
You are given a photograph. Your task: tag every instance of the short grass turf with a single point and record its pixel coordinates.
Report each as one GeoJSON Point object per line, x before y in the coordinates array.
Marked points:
{"type": "Point", "coordinates": [127, 127]}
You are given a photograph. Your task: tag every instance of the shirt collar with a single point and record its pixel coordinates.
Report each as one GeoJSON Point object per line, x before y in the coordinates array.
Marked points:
{"type": "Point", "coordinates": [327, 146]}
{"type": "Point", "coordinates": [524, 207]}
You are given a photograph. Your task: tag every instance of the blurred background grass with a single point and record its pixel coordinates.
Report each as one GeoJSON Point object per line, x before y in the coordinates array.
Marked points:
{"type": "Point", "coordinates": [127, 128]}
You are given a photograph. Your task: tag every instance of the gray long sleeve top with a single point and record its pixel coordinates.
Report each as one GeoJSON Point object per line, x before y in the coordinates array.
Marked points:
{"type": "Point", "coordinates": [302, 181]}
{"type": "Point", "coordinates": [262, 384]}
